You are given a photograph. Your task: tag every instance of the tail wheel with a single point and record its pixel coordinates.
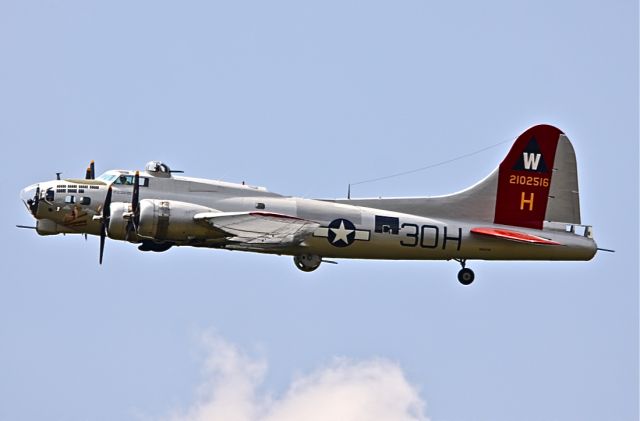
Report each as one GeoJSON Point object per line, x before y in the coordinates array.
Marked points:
{"type": "Point", "coordinates": [466, 276]}
{"type": "Point", "coordinates": [307, 262]}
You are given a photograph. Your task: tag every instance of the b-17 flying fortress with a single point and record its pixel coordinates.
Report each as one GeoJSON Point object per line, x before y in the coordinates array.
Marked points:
{"type": "Point", "coordinates": [527, 209]}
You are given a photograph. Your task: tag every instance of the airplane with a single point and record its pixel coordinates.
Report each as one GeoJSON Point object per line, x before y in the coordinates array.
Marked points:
{"type": "Point", "coordinates": [526, 209]}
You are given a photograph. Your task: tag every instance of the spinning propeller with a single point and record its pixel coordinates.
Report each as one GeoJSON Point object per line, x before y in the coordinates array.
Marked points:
{"type": "Point", "coordinates": [134, 217]}
{"type": "Point", "coordinates": [104, 221]}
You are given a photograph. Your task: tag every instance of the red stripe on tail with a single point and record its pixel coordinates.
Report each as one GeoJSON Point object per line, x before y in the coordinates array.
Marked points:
{"type": "Point", "coordinates": [524, 178]}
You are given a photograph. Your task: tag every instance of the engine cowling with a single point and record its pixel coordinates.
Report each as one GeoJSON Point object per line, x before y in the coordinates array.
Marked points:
{"type": "Point", "coordinates": [48, 227]}
{"type": "Point", "coordinates": [117, 222]}
{"type": "Point", "coordinates": [171, 220]}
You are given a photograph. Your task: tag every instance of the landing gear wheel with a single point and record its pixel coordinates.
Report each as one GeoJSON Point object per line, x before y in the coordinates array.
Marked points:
{"type": "Point", "coordinates": [307, 262]}
{"type": "Point", "coordinates": [466, 276]}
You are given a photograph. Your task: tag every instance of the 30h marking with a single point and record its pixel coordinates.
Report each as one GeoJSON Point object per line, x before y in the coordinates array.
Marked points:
{"type": "Point", "coordinates": [428, 236]}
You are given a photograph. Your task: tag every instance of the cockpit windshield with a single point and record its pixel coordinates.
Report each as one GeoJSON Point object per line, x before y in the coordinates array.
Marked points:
{"type": "Point", "coordinates": [107, 177]}
{"type": "Point", "coordinates": [122, 179]}
{"type": "Point", "coordinates": [128, 180]}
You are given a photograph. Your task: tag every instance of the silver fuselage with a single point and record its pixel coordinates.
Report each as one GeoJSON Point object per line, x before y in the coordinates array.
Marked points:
{"type": "Point", "coordinates": [381, 232]}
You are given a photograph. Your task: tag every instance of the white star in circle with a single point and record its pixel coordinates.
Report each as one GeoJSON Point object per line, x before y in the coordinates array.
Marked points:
{"type": "Point", "coordinates": [341, 233]}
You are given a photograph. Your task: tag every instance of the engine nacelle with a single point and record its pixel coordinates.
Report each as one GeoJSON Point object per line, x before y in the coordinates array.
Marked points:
{"type": "Point", "coordinates": [171, 220]}
{"type": "Point", "coordinates": [117, 222]}
{"type": "Point", "coordinates": [48, 227]}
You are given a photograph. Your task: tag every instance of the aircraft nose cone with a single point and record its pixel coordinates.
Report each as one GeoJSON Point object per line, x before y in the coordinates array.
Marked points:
{"type": "Point", "coordinates": [28, 192]}
{"type": "Point", "coordinates": [29, 197]}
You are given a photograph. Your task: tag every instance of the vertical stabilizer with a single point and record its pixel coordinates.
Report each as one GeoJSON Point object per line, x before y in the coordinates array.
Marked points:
{"type": "Point", "coordinates": [537, 181]}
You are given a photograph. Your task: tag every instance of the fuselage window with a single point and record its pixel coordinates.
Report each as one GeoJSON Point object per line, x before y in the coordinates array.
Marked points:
{"type": "Point", "coordinates": [86, 201]}
{"type": "Point", "coordinates": [49, 195]}
{"type": "Point", "coordinates": [70, 199]}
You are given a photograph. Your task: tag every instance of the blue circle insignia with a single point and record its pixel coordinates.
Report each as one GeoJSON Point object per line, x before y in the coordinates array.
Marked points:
{"type": "Point", "coordinates": [342, 233]}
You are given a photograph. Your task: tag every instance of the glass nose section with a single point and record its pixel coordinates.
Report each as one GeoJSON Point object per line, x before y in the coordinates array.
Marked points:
{"type": "Point", "coordinates": [28, 192]}
{"type": "Point", "coordinates": [30, 197]}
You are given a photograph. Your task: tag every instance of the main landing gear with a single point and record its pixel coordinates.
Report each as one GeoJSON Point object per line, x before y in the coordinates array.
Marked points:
{"type": "Point", "coordinates": [466, 275]}
{"type": "Point", "coordinates": [307, 262]}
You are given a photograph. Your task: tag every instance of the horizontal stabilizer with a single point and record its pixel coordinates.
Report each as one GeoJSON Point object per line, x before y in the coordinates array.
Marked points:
{"type": "Point", "coordinates": [518, 236]}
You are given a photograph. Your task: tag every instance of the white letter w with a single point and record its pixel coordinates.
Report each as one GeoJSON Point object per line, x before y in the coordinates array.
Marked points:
{"type": "Point", "coordinates": [531, 160]}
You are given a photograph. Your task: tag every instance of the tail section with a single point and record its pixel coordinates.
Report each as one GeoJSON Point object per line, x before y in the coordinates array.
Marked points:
{"type": "Point", "coordinates": [538, 180]}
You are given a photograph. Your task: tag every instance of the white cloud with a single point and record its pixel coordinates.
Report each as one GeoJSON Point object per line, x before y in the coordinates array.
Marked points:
{"type": "Point", "coordinates": [344, 390]}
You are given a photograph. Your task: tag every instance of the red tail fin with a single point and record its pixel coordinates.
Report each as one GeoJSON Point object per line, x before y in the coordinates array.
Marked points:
{"type": "Point", "coordinates": [524, 178]}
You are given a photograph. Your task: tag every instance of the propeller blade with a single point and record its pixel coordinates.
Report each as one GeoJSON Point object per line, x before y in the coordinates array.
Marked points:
{"type": "Point", "coordinates": [103, 234]}
{"type": "Point", "coordinates": [132, 225]}
{"type": "Point", "coordinates": [90, 174]}
{"type": "Point", "coordinates": [106, 208]}
{"type": "Point", "coordinates": [104, 223]}
{"type": "Point", "coordinates": [135, 198]}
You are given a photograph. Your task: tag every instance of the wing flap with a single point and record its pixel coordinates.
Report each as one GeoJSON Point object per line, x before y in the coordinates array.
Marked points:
{"type": "Point", "coordinates": [259, 229]}
{"type": "Point", "coordinates": [510, 235]}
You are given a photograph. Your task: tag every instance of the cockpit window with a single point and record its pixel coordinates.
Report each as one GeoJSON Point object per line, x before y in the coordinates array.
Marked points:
{"type": "Point", "coordinates": [107, 178]}
{"type": "Point", "coordinates": [127, 180]}
{"type": "Point", "coordinates": [122, 179]}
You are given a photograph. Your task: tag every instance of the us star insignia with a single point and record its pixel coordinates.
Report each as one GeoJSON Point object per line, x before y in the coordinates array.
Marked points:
{"type": "Point", "coordinates": [342, 233]}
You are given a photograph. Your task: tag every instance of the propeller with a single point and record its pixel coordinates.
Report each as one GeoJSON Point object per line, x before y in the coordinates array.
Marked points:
{"type": "Point", "coordinates": [106, 214]}
{"type": "Point", "coordinates": [134, 220]}
{"type": "Point", "coordinates": [91, 171]}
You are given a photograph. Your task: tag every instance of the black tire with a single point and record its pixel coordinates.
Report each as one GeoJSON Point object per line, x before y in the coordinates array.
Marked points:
{"type": "Point", "coordinates": [466, 276]}
{"type": "Point", "coordinates": [306, 263]}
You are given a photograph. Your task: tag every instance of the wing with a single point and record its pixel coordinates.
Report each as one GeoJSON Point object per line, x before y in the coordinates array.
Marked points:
{"type": "Point", "coordinates": [259, 230]}
{"type": "Point", "coordinates": [510, 235]}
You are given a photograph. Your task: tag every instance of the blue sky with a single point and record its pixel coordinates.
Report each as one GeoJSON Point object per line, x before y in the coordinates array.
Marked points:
{"type": "Point", "coordinates": [304, 98]}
